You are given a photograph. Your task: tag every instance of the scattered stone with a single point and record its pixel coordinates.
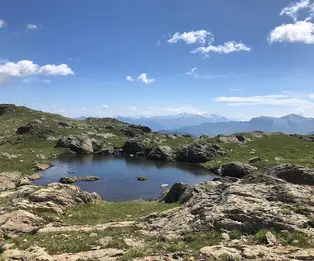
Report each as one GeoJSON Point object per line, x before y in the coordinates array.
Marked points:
{"type": "Point", "coordinates": [130, 242]}
{"type": "Point", "coordinates": [93, 235]}
{"type": "Point", "coordinates": [104, 241]}
{"type": "Point", "coordinates": [225, 236]}
{"type": "Point", "coordinates": [141, 178]}
{"type": "Point", "coordinates": [255, 159]}
{"type": "Point", "coordinates": [73, 179]}
{"type": "Point", "coordinates": [237, 169]}
{"type": "Point", "coordinates": [221, 251]}
{"type": "Point", "coordinates": [43, 166]}
{"type": "Point", "coordinates": [271, 239]}
{"type": "Point", "coordinates": [9, 180]}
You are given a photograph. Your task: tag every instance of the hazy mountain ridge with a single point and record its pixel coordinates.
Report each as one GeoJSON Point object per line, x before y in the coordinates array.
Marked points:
{"type": "Point", "coordinates": [287, 124]}
{"type": "Point", "coordinates": [170, 122]}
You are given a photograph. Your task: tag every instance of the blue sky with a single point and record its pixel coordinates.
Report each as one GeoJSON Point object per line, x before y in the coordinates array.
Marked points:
{"type": "Point", "coordinates": [239, 58]}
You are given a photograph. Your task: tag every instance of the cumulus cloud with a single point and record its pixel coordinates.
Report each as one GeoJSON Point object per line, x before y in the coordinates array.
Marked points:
{"type": "Point", "coordinates": [2, 23]}
{"type": "Point", "coordinates": [54, 70]}
{"type": "Point", "coordinates": [192, 37]}
{"type": "Point", "coordinates": [228, 47]}
{"type": "Point", "coordinates": [302, 32]}
{"type": "Point", "coordinates": [105, 106]}
{"type": "Point", "coordinates": [129, 79]}
{"type": "Point", "coordinates": [26, 68]}
{"type": "Point", "coordinates": [31, 26]}
{"type": "Point", "coordinates": [280, 100]}
{"type": "Point", "coordinates": [144, 78]}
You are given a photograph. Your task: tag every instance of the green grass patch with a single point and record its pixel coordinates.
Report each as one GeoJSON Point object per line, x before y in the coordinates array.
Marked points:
{"type": "Point", "coordinates": [103, 212]}
{"type": "Point", "coordinates": [73, 242]}
{"type": "Point", "coordinates": [297, 239]}
{"type": "Point", "coordinates": [273, 149]}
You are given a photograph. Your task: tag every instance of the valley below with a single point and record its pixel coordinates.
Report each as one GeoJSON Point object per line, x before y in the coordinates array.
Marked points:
{"type": "Point", "coordinates": [163, 197]}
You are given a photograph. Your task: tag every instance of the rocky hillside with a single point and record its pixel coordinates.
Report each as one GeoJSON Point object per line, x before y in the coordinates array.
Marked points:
{"type": "Point", "coordinates": [260, 208]}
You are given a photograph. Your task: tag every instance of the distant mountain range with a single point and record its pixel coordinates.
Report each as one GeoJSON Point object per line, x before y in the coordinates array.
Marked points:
{"type": "Point", "coordinates": [288, 124]}
{"type": "Point", "coordinates": [171, 122]}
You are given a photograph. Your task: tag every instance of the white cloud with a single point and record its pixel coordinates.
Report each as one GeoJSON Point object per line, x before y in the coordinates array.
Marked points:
{"type": "Point", "coordinates": [129, 79]}
{"type": "Point", "coordinates": [236, 90]}
{"type": "Point", "coordinates": [105, 106]}
{"type": "Point", "coordinates": [2, 23]}
{"type": "Point", "coordinates": [144, 79]}
{"type": "Point", "coordinates": [30, 80]}
{"type": "Point", "coordinates": [192, 37]}
{"type": "Point", "coordinates": [311, 96]}
{"type": "Point", "coordinates": [228, 47]}
{"type": "Point", "coordinates": [74, 59]}
{"type": "Point", "coordinates": [19, 69]}
{"type": "Point", "coordinates": [46, 81]}
{"type": "Point", "coordinates": [26, 68]}
{"type": "Point", "coordinates": [280, 100]}
{"type": "Point", "coordinates": [293, 9]}
{"type": "Point", "coordinates": [54, 70]}
{"type": "Point", "coordinates": [31, 26]}
{"type": "Point", "coordinates": [302, 32]}
{"type": "Point", "coordinates": [192, 71]}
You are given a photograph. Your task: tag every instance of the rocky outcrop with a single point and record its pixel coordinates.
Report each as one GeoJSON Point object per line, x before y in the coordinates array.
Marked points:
{"type": "Point", "coordinates": [73, 179]}
{"type": "Point", "coordinates": [294, 174]}
{"type": "Point", "coordinates": [135, 146]}
{"type": "Point", "coordinates": [35, 128]}
{"type": "Point", "coordinates": [14, 223]}
{"type": "Point", "coordinates": [79, 144]}
{"type": "Point", "coordinates": [245, 206]}
{"type": "Point", "coordinates": [144, 129]}
{"type": "Point", "coordinates": [9, 180]}
{"type": "Point", "coordinates": [236, 170]}
{"type": "Point", "coordinates": [198, 152]}
{"type": "Point", "coordinates": [164, 153]}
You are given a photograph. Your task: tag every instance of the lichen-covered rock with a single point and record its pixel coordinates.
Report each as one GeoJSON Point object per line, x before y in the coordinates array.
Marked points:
{"type": "Point", "coordinates": [294, 174]}
{"type": "Point", "coordinates": [79, 144]}
{"type": "Point", "coordinates": [236, 169]}
{"type": "Point", "coordinates": [144, 129]}
{"type": "Point", "coordinates": [9, 180]}
{"type": "Point", "coordinates": [244, 206]}
{"type": "Point", "coordinates": [164, 153]}
{"type": "Point", "coordinates": [13, 223]}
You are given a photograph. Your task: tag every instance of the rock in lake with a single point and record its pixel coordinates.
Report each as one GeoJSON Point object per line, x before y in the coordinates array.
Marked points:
{"type": "Point", "coordinates": [142, 178]}
{"type": "Point", "coordinates": [237, 169]}
{"type": "Point", "coordinates": [294, 174]}
{"type": "Point", "coordinates": [79, 144]}
{"type": "Point", "coordinates": [73, 179]}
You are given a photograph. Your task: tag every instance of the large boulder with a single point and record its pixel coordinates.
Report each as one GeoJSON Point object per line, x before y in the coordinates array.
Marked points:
{"type": "Point", "coordinates": [132, 132]}
{"type": "Point", "coordinates": [9, 180]}
{"type": "Point", "coordinates": [79, 144]}
{"type": "Point", "coordinates": [179, 192]}
{"type": "Point", "coordinates": [161, 153]}
{"type": "Point", "coordinates": [236, 170]}
{"type": "Point", "coordinates": [198, 152]}
{"type": "Point", "coordinates": [294, 174]}
{"type": "Point", "coordinates": [135, 146]}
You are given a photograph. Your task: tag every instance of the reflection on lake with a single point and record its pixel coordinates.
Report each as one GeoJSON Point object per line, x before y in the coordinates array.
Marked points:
{"type": "Point", "coordinates": [118, 175]}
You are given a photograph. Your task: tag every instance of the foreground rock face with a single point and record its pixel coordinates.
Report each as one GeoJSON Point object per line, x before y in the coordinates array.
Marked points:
{"type": "Point", "coordinates": [294, 174]}
{"type": "Point", "coordinates": [79, 144]}
{"type": "Point", "coordinates": [9, 180]}
{"type": "Point", "coordinates": [39, 254]}
{"type": "Point", "coordinates": [245, 205]}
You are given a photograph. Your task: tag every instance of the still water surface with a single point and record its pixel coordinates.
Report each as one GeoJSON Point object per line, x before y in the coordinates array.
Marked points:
{"type": "Point", "coordinates": [118, 175]}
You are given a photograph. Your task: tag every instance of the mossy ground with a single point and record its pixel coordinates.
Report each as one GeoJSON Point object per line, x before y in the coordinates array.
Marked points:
{"type": "Point", "coordinates": [273, 149]}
